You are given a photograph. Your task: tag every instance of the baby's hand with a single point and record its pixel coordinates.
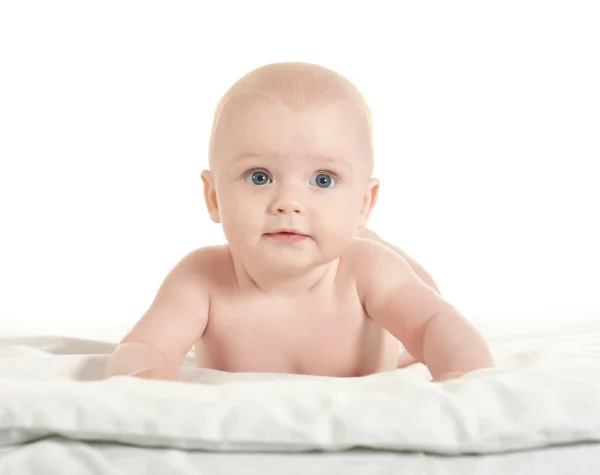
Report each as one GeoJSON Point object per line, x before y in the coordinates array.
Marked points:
{"type": "Point", "coordinates": [163, 374]}
{"type": "Point", "coordinates": [448, 376]}
{"type": "Point", "coordinates": [143, 361]}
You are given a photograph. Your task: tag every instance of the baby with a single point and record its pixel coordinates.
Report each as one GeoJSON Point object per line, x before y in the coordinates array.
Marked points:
{"type": "Point", "coordinates": [302, 286]}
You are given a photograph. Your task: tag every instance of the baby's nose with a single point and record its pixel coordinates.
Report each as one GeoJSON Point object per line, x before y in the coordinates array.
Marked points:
{"type": "Point", "coordinates": [287, 199]}
{"type": "Point", "coordinates": [287, 206]}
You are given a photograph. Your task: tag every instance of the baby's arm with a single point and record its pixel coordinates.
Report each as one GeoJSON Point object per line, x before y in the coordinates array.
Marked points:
{"type": "Point", "coordinates": [176, 320]}
{"type": "Point", "coordinates": [431, 329]}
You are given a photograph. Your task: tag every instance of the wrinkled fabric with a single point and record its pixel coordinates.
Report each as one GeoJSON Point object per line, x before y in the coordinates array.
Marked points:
{"type": "Point", "coordinates": [545, 390]}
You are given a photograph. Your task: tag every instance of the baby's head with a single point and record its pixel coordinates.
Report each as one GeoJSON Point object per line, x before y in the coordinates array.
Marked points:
{"type": "Point", "coordinates": [291, 147]}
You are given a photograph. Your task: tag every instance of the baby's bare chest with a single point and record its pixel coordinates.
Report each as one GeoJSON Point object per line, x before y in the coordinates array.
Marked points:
{"type": "Point", "coordinates": [328, 337]}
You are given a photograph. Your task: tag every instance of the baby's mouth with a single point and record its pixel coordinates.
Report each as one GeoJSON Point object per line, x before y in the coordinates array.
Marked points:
{"type": "Point", "coordinates": [287, 236]}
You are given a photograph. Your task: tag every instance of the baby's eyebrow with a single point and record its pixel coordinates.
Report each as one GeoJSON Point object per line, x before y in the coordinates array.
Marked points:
{"type": "Point", "coordinates": [335, 160]}
{"type": "Point", "coordinates": [316, 159]}
{"type": "Point", "coordinates": [242, 157]}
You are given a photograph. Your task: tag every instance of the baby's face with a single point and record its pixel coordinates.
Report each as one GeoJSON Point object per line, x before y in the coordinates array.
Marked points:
{"type": "Point", "coordinates": [304, 170]}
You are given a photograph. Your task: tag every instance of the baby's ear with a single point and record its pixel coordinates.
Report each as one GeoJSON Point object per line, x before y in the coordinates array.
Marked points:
{"type": "Point", "coordinates": [368, 202]}
{"type": "Point", "coordinates": [210, 197]}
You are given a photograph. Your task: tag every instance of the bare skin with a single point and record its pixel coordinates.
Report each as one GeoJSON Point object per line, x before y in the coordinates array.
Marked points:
{"type": "Point", "coordinates": [232, 344]}
{"type": "Point", "coordinates": [250, 332]}
{"type": "Point", "coordinates": [405, 359]}
{"type": "Point", "coordinates": [302, 285]}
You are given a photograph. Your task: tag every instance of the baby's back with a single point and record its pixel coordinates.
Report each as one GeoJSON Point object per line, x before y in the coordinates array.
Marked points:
{"type": "Point", "coordinates": [325, 332]}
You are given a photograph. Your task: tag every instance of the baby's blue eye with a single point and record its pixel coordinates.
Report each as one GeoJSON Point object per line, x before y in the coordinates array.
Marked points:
{"type": "Point", "coordinates": [258, 178]}
{"type": "Point", "coordinates": [324, 180]}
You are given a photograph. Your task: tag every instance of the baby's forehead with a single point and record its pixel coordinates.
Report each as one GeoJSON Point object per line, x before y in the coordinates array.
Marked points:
{"type": "Point", "coordinates": [256, 108]}
{"type": "Point", "coordinates": [280, 91]}
{"type": "Point", "coordinates": [269, 129]}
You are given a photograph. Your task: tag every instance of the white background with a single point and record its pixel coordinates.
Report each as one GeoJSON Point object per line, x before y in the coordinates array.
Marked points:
{"type": "Point", "coordinates": [487, 121]}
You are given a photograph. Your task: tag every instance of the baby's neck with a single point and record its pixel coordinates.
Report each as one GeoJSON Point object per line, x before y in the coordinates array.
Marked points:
{"type": "Point", "coordinates": [261, 279]}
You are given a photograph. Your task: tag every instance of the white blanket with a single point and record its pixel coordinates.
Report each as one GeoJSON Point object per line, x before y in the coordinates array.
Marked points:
{"type": "Point", "coordinates": [545, 390]}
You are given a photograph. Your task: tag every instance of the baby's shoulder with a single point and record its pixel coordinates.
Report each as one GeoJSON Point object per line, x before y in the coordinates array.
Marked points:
{"type": "Point", "coordinates": [208, 254]}
{"type": "Point", "coordinates": [362, 251]}
{"type": "Point", "coordinates": [366, 258]}
{"type": "Point", "coordinates": [209, 264]}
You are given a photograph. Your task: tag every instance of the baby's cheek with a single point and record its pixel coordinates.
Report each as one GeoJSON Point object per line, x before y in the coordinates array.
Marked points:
{"type": "Point", "coordinates": [338, 223]}
{"type": "Point", "coordinates": [238, 220]}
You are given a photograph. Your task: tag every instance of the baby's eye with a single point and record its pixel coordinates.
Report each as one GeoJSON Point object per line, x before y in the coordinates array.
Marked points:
{"type": "Point", "coordinates": [258, 178]}
{"type": "Point", "coordinates": [324, 180]}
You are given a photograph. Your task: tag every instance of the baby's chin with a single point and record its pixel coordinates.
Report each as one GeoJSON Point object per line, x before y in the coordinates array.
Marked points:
{"type": "Point", "coordinates": [287, 257]}
{"type": "Point", "coordinates": [288, 260]}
